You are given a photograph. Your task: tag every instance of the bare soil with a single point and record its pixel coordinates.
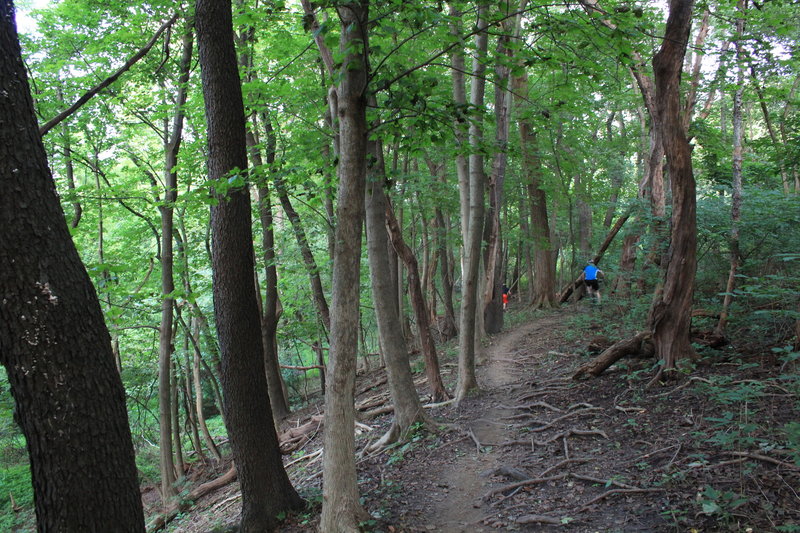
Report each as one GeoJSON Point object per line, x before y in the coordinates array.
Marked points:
{"type": "Point", "coordinates": [536, 451]}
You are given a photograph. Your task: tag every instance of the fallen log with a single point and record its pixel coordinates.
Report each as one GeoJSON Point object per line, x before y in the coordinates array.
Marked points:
{"type": "Point", "coordinates": [567, 291]}
{"type": "Point", "coordinates": [639, 344]}
{"type": "Point", "coordinates": [294, 438]}
{"type": "Point", "coordinates": [161, 521]}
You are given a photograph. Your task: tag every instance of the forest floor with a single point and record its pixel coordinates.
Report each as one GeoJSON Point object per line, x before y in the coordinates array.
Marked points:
{"type": "Point", "coordinates": [536, 451]}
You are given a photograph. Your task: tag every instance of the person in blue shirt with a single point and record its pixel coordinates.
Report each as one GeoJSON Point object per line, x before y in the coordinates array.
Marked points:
{"type": "Point", "coordinates": [590, 273]}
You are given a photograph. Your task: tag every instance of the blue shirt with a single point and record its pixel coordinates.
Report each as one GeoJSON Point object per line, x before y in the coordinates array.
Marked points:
{"type": "Point", "coordinates": [590, 272]}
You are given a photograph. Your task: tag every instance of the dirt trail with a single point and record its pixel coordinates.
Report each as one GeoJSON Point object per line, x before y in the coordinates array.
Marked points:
{"type": "Point", "coordinates": [459, 506]}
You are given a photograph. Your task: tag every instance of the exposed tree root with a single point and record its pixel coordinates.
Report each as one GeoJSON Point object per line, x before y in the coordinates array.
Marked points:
{"type": "Point", "coordinates": [569, 433]}
{"type": "Point", "coordinates": [564, 417]}
{"type": "Point", "coordinates": [531, 406]}
{"type": "Point", "coordinates": [523, 483]}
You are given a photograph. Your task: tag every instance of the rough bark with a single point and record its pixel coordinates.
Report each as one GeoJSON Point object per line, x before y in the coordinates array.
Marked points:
{"type": "Point", "coordinates": [266, 490]}
{"type": "Point", "coordinates": [470, 294]}
{"type": "Point", "coordinates": [341, 509]}
{"type": "Point", "coordinates": [407, 407]}
{"type": "Point", "coordinates": [69, 399]}
{"type": "Point", "coordinates": [671, 311]}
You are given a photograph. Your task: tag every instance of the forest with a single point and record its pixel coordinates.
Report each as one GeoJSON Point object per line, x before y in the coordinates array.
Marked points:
{"type": "Point", "coordinates": [319, 265]}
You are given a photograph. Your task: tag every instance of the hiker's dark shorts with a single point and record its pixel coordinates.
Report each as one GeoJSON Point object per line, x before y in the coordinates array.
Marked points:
{"type": "Point", "coordinates": [592, 284]}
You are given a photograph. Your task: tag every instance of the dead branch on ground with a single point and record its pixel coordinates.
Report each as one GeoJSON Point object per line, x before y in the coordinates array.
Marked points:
{"type": "Point", "coordinates": [161, 521]}
{"type": "Point", "coordinates": [640, 343]}
{"type": "Point", "coordinates": [612, 492]}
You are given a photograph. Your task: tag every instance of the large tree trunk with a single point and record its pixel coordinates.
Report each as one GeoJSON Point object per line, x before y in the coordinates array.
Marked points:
{"type": "Point", "coordinates": [407, 407]}
{"type": "Point", "coordinates": [341, 509]}
{"type": "Point", "coordinates": [671, 316]}
{"type": "Point", "coordinates": [69, 399]}
{"type": "Point", "coordinates": [470, 294]}
{"type": "Point", "coordinates": [266, 490]}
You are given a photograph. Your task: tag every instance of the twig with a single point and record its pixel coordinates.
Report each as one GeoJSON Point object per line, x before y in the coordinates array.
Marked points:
{"type": "Point", "coordinates": [304, 458]}
{"type": "Point", "coordinates": [613, 492]}
{"type": "Point", "coordinates": [440, 404]}
{"type": "Point", "coordinates": [765, 458]}
{"type": "Point", "coordinates": [475, 440]}
{"type": "Point", "coordinates": [606, 482]}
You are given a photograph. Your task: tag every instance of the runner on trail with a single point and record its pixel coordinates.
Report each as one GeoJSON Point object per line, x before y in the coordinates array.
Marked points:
{"type": "Point", "coordinates": [590, 273]}
{"type": "Point", "coordinates": [506, 296]}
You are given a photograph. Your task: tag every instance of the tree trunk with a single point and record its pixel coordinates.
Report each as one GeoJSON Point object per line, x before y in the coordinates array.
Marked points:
{"type": "Point", "coordinates": [407, 407]}
{"type": "Point", "coordinates": [266, 490]}
{"type": "Point", "coordinates": [270, 312]}
{"type": "Point", "coordinates": [341, 509]}
{"type": "Point", "coordinates": [544, 264]}
{"type": "Point", "coordinates": [492, 304]}
{"type": "Point", "coordinates": [447, 327]}
{"type": "Point", "coordinates": [736, 193]}
{"type": "Point", "coordinates": [173, 137]}
{"type": "Point", "coordinates": [69, 399]}
{"type": "Point", "coordinates": [435, 383]}
{"type": "Point", "coordinates": [198, 390]}
{"type": "Point", "coordinates": [309, 262]}
{"type": "Point", "coordinates": [470, 295]}
{"type": "Point", "coordinates": [671, 316]}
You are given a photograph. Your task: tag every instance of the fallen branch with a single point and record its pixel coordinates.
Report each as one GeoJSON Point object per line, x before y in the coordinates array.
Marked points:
{"type": "Point", "coordinates": [306, 457]}
{"type": "Point", "coordinates": [187, 501]}
{"type": "Point", "coordinates": [766, 459]}
{"type": "Point", "coordinates": [566, 292]}
{"type": "Point", "coordinates": [539, 519]}
{"type": "Point", "coordinates": [562, 463]}
{"type": "Point", "coordinates": [613, 492]}
{"type": "Point", "coordinates": [638, 344]}
{"type": "Point", "coordinates": [310, 367]}
{"type": "Point", "coordinates": [606, 482]}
